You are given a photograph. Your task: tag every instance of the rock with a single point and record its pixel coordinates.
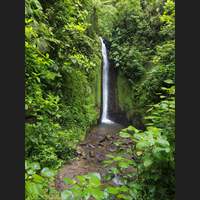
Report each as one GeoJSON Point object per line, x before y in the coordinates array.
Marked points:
{"type": "Point", "coordinates": [99, 157]}
{"type": "Point", "coordinates": [112, 148]}
{"type": "Point", "coordinates": [83, 144]}
{"type": "Point", "coordinates": [108, 137]}
{"type": "Point", "coordinates": [101, 144]}
{"type": "Point", "coordinates": [90, 145]}
{"type": "Point", "coordinates": [116, 180]}
{"type": "Point", "coordinates": [79, 151]}
{"type": "Point", "coordinates": [91, 154]}
{"type": "Point", "coordinates": [103, 139]}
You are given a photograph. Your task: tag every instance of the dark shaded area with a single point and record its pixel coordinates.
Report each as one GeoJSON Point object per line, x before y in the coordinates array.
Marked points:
{"type": "Point", "coordinates": [114, 111]}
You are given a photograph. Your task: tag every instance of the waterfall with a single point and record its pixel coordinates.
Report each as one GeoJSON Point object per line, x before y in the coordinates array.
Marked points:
{"type": "Point", "coordinates": [104, 117]}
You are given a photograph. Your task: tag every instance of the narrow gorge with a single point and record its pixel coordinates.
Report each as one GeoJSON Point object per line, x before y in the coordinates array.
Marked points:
{"type": "Point", "coordinates": [101, 139]}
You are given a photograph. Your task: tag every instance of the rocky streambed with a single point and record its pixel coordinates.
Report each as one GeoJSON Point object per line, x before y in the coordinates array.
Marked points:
{"type": "Point", "coordinates": [91, 153]}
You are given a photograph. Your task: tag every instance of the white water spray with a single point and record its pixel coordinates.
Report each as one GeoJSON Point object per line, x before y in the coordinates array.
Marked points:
{"type": "Point", "coordinates": [104, 117]}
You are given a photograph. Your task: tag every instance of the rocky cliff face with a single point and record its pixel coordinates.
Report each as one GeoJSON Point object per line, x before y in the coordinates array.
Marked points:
{"type": "Point", "coordinates": [121, 107]}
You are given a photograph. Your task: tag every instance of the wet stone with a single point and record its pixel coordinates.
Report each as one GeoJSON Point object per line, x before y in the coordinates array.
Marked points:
{"type": "Point", "coordinates": [100, 158]}
{"type": "Point", "coordinates": [90, 145]}
{"type": "Point", "coordinates": [91, 154]}
{"type": "Point", "coordinates": [112, 148]}
{"type": "Point", "coordinates": [98, 143]}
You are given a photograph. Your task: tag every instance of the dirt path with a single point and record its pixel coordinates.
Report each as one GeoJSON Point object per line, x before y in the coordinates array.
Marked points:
{"type": "Point", "coordinates": [98, 143]}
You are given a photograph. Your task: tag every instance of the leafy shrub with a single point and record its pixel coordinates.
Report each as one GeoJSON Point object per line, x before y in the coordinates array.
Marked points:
{"type": "Point", "coordinates": [143, 49]}
{"type": "Point", "coordinates": [37, 180]}
{"type": "Point", "coordinates": [153, 153]}
{"type": "Point", "coordinates": [85, 187]}
{"type": "Point", "coordinates": [62, 65]}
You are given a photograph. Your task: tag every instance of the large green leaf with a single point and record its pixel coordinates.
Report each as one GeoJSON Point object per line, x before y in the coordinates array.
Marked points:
{"type": "Point", "coordinates": [46, 172]}
{"type": "Point", "coordinates": [147, 162]}
{"type": "Point", "coordinates": [124, 135]}
{"type": "Point", "coordinates": [95, 179]}
{"type": "Point", "coordinates": [67, 195]}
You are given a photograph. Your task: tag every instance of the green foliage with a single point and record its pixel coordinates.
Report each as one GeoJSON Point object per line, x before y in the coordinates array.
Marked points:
{"type": "Point", "coordinates": [152, 154]}
{"type": "Point", "coordinates": [62, 65]}
{"type": "Point", "coordinates": [37, 181]}
{"type": "Point", "coordinates": [146, 168]}
{"type": "Point", "coordinates": [90, 186]}
{"type": "Point", "coordinates": [154, 148]}
{"type": "Point", "coordinates": [85, 187]}
{"type": "Point", "coordinates": [62, 79]}
{"type": "Point", "coordinates": [123, 92]}
{"type": "Point", "coordinates": [143, 48]}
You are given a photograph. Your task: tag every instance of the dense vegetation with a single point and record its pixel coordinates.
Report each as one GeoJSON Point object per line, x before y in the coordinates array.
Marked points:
{"type": "Point", "coordinates": [62, 84]}
{"type": "Point", "coordinates": [62, 74]}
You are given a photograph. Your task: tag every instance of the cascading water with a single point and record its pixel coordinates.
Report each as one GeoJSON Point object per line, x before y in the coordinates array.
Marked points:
{"type": "Point", "coordinates": [104, 117]}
